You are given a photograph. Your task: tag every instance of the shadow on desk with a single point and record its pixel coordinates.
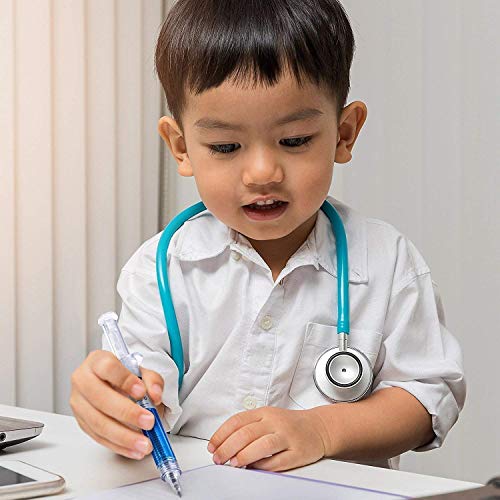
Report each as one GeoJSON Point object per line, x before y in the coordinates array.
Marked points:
{"type": "Point", "coordinates": [489, 492]}
{"type": "Point", "coordinates": [29, 446]}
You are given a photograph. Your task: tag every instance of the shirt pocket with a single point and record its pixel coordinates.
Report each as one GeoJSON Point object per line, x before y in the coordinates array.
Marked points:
{"type": "Point", "coordinates": [318, 338]}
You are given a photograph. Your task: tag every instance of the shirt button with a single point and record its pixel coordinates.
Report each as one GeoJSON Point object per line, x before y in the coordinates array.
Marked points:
{"type": "Point", "coordinates": [266, 322]}
{"type": "Point", "coordinates": [235, 255]}
{"type": "Point", "coordinates": [249, 403]}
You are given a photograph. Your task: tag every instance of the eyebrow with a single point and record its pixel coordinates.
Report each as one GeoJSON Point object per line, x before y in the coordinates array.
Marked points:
{"type": "Point", "coordinates": [301, 114]}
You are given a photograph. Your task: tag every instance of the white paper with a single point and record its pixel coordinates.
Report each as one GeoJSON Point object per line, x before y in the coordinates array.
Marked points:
{"type": "Point", "coordinates": [219, 482]}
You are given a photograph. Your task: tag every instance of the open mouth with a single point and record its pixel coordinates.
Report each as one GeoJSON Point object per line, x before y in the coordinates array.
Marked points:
{"type": "Point", "coordinates": [265, 210]}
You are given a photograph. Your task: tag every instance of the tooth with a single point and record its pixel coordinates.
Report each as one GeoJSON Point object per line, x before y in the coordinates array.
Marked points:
{"type": "Point", "coordinates": [269, 202]}
{"type": "Point", "coordinates": [261, 203]}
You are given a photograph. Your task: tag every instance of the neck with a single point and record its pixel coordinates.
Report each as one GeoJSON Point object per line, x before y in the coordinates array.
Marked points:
{"type": "Point", "coordinates": [276, 253]}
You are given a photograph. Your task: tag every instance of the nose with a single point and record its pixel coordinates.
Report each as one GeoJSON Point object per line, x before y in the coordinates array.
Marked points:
{"type": "Point", "coordinates": [262, 168]}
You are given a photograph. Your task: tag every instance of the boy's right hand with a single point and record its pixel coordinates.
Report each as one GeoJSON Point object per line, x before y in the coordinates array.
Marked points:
{"type": "Point", "coordinates": [99, 390]}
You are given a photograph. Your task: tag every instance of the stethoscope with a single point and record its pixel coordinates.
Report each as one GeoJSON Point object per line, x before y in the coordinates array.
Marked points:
{"type": "Point", "coordinates": [341, 374]}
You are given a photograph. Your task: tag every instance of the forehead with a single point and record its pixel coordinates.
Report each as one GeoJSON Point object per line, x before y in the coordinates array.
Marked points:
{"type": "Point", "coordinates": [247, 103]}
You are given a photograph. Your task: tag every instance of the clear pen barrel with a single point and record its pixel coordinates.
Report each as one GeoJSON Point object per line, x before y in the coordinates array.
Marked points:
{"type": "Point", "coordinates": [107, 322]}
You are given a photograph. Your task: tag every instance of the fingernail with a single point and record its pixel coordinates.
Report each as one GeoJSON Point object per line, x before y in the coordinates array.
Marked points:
{"type": "Point", "coordinates": [211, 447]}
{"type": "Point", "coordinates": [135, 455]}
{"type": "Point", "coordinates": [146, 421]}
{"type": "Point", "coordinates": [137, 390]}
{"type": "Point", "coordinates": [216, 460]}
{"type": "Point", "coordinates": [234, 462]}
{"type": "Point", "coordinates": [141, 445]}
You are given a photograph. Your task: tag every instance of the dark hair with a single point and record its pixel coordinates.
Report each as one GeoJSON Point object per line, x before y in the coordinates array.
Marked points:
{"type": "Point", "coordinates": [204, 42]}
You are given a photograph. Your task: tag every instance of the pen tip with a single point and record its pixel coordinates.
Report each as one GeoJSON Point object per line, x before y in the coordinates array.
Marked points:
{"type": "Point", "coordinates": [177, 488]}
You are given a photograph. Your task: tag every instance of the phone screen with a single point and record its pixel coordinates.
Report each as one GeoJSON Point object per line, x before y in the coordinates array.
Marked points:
{"type": "Point", "coordinates": [8, 477]}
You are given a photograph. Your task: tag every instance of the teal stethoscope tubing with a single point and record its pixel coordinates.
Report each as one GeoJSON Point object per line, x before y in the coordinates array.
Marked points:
{"type": "Point", "coordinates": [174, 335]}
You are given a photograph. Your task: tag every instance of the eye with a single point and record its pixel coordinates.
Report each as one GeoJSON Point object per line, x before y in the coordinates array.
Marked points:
{"type": "Point", "coordinates": [223, 148]}
{"type": "Point", "coordinates": [295, 142]}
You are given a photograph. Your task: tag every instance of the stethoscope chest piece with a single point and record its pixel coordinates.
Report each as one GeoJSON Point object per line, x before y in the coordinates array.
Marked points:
{"type": "Point", "coordinates": [343, 375]}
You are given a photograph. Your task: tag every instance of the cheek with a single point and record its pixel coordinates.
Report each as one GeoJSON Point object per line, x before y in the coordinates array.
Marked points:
{"type": "Point", "coordinates": [314, 171]}
{"type": "Point", "coordinates": [214, 178]}
{"type": "Point", "coordinates": [215, 183]}
{"type": "Point", "coordinates": [315, 181]}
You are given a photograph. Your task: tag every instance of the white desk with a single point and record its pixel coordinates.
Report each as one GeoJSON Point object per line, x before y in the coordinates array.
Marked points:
{"type": "Point", "coordinates": [64, 449]}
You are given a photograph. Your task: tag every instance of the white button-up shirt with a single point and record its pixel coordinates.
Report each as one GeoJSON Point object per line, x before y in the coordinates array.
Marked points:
{"type": "Point", "coordinates": [250, 341]}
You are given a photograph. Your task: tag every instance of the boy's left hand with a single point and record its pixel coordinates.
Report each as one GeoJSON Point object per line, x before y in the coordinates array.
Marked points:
{"type": "Point", "coordinates": [293, 438]}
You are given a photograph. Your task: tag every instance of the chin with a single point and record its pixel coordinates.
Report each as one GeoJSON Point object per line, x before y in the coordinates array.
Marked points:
{"type": "Point", "coordinates": [266, 235]}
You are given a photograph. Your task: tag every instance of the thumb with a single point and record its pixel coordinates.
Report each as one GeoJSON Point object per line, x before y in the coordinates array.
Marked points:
{"type": "Point", "coordinates": [154, 385]}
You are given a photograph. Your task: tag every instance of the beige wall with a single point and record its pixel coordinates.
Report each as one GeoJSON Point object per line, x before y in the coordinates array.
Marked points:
{"type": "Point", "coordinates": [79, 169]}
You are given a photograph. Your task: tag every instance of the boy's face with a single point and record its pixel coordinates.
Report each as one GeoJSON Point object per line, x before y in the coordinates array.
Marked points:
{"type": "Point", "coordinates": [245, 144]}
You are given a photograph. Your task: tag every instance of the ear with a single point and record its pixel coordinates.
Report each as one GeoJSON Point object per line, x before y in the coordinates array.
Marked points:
{"type": "Point", "coordinates": [350, 123]}
{"type": "Point", "coordinates": [172, 134]}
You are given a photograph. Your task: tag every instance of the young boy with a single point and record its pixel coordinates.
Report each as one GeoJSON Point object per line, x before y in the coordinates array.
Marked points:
{"type": "Point", "coordinates": [257, 92]}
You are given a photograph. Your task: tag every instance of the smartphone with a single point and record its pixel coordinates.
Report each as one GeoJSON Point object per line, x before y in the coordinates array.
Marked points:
{"type": "Point", "coordinates": [21, 480]}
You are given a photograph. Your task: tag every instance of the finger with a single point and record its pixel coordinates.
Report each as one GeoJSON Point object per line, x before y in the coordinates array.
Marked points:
{"type": "Point", "coordinates": [108, 368]}
{"type": "Point", "coordinates": [260, 449]}
{"type": "Point", "coordinates": [231, 425]}
{"type": "Point", "coordinates": [111, 430]}
{"type": "Point", "coordinates": [278, 462]}
{"type": "Point", "coordinates": [154, 385]}
{"type": "Point", "coordinates": [239, 440]}
{"type": "Point", "coordinates": [105, 399]}
{"type": "Point", "coordinates": [108, 444]}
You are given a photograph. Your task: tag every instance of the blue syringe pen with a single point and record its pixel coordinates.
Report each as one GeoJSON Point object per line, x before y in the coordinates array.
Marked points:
{"type": "Point", "coordinates": [163, 454]}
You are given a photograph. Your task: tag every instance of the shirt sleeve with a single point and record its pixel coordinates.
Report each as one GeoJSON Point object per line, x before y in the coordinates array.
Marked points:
{"type": "Point", "coordinates": [419, 354]}
{"type": "Point", "coordinates": [143, 324]}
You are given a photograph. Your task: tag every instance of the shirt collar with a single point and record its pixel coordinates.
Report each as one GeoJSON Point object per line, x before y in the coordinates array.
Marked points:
{"type": "Point", "coordinates": [205, 237]}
